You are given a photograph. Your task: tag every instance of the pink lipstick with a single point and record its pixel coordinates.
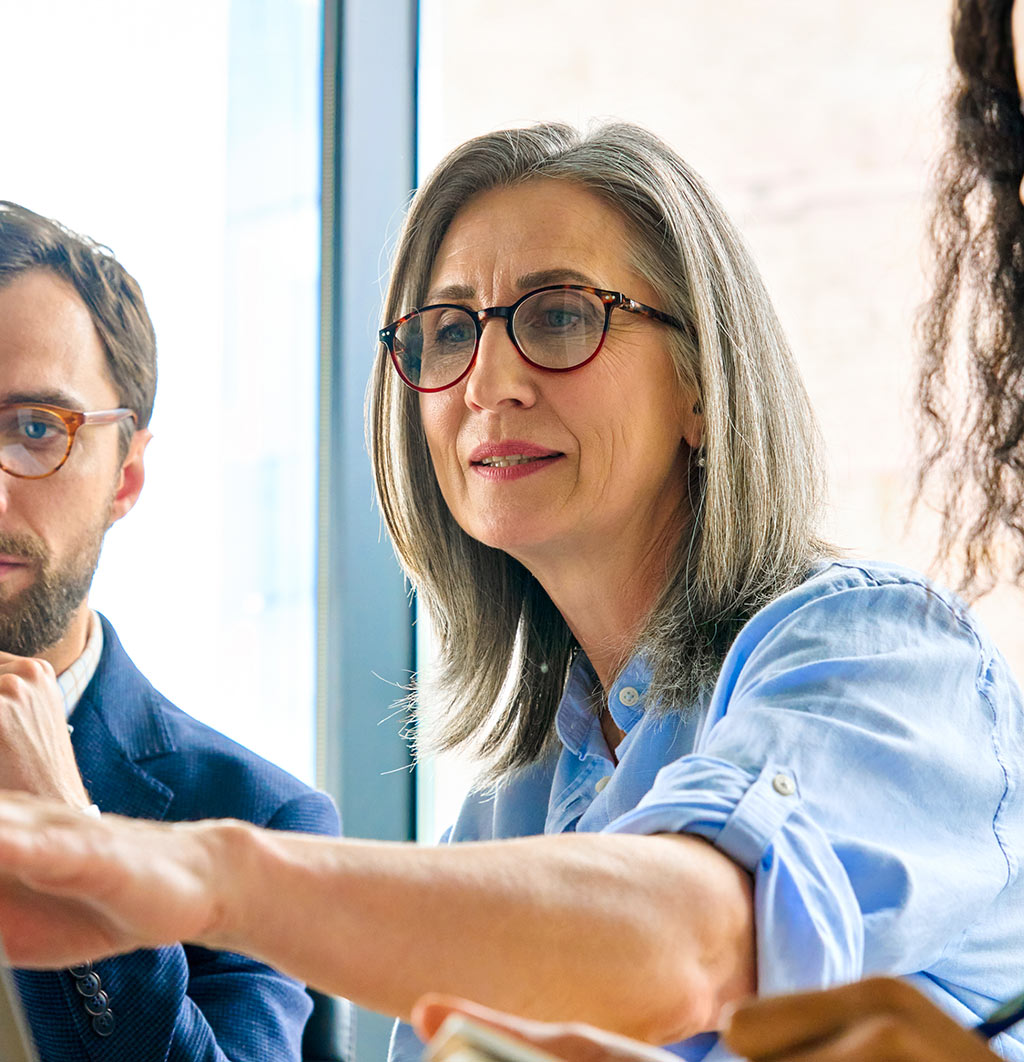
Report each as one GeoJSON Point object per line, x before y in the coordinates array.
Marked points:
{"type": "Point", "coordinates": [511, 459]}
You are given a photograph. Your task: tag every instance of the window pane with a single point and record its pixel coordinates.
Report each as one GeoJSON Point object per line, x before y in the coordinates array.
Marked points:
{"type": "Point", "coordinates": [186, 136]}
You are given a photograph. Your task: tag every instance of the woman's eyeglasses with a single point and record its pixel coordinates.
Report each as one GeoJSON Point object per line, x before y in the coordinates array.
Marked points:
{"type": "Point", "coordinates": [35, 440]}
{"type": "Point", "coordinates": [556, 328]}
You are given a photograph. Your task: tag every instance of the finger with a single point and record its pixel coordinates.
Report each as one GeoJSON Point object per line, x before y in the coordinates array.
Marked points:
{"type": "Point", "coordinates": [430, 1011]}
{"type": "Point", "coordinates": [30, 668]}
{"type": "Point", "coordinates": [781, 1025]}
{"type": "Point", "coordinates": [892, 1038]}
{"type": "Point", "coordinates": [573, 1042]}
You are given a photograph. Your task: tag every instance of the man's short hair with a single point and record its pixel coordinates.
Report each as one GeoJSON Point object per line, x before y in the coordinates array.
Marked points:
{"type": "Point", "coordinates": [113, 297]}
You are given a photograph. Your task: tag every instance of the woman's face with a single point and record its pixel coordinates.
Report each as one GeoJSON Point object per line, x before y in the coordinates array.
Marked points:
{"type": "Point", "coordinates": [607, 444]}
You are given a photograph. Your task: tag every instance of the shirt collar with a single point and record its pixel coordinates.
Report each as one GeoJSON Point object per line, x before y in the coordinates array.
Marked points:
{"type": "Point", "coordinates": [576, 721]}
{"type": "Point", "coordinates": [74, 679]}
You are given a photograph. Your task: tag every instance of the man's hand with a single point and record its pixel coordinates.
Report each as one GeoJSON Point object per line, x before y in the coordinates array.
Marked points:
{"type": "Point", "coordinates": [878, 1019]}
{"type": "Point", "coordinates": [35, 747]}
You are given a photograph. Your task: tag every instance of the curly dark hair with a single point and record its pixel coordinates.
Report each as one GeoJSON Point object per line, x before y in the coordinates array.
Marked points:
{"type": "Point", "coordinates": [971, 386]}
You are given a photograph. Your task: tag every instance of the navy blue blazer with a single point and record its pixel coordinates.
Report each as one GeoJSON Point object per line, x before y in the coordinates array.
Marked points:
{"type": "Point", "coordinates": [141, 756]}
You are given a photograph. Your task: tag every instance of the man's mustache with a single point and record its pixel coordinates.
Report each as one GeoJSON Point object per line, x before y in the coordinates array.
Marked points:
{"type": "Point", "coordinates": [20, 545]}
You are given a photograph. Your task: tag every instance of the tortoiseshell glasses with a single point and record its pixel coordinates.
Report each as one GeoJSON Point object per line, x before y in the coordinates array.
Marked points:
{"type": "Point", "coordinates": [35, 439]}
{"type": "Point", "coordinates": [556, 328]}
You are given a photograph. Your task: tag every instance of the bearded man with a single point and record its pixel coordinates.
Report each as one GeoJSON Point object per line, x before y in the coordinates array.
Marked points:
{"type": "Point", "coordinates": [77, 382]}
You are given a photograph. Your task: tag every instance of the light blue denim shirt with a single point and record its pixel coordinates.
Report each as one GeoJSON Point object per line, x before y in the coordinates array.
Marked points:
{"type": "Point", "coordinates": [861, 756]}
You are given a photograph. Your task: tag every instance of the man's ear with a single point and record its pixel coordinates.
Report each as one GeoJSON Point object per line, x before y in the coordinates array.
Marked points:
{"type": "Point", "coordinates": [132, 476]}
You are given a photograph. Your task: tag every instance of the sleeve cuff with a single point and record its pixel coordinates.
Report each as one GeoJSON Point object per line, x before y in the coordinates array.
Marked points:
{"type": "Point", "coordinates": [810, 929]}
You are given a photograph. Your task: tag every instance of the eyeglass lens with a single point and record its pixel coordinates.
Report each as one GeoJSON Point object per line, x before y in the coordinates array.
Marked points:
{"type": "Point", "coordinates": [557, 329]}
{"type": "Point", "coordinates": [33, 442]}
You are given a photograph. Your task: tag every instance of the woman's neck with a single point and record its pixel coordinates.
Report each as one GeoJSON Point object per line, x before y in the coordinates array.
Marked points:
{"type": "Point", "coordinates": [606, 600]}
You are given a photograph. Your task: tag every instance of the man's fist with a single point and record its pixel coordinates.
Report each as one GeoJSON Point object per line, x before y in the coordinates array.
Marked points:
{"type": "Point", "coordinates": [35, 745]}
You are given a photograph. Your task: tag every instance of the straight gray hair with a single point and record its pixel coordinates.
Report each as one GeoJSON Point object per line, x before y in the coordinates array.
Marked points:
{"type": "Point", "coordinates": [504, 649]}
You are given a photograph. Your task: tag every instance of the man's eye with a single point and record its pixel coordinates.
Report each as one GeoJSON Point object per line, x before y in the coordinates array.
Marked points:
{"type": "Point", "coordinates": [36, 429]}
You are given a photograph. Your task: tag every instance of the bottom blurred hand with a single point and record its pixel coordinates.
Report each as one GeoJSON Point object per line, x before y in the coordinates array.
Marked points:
{"type": "Point", "coordinates": [877, 1020]}
{"type": "Point", "coordinates": [880, 1019]}
{"type": "Point", "coordinates": [573, 1042]}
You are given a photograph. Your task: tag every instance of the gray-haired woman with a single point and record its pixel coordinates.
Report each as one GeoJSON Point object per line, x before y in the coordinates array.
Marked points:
{"type": "Point", "coordinates": [713, 758]}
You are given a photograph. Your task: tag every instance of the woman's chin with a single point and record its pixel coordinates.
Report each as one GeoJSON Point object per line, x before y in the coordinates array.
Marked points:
{"type": "Point", "coordinates": [523, 543]}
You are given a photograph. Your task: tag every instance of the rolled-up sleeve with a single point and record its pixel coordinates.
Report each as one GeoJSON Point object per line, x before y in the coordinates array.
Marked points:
{"type": "Point", "coordinates": [805, 909]}
{"type": "Point", "coordinates": [850, 762]}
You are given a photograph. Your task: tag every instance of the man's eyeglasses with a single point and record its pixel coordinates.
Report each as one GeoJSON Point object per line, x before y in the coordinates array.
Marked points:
{"type": "Point", "coordinates": [556, 328]}
{"type": "Point", "coordinates": [35, 440]}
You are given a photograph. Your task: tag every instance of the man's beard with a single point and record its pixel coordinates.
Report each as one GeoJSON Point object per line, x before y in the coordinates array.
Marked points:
{"type": "Point", "coordinates": [36, 618]}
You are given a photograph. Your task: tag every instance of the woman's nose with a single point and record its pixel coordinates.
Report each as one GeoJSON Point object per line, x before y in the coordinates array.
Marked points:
{"type": "Point", "coordinates": [500, 375]}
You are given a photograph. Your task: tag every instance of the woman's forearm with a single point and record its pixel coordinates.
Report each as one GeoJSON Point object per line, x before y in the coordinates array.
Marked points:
{"type": "Point", "coordinates": [646, 935]}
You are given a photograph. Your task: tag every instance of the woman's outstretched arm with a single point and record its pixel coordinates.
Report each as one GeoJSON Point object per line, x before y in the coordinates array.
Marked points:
{"type": "Point", "coordinates": [648, 935]}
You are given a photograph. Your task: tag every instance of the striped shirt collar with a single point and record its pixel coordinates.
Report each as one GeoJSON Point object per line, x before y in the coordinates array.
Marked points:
{"type": "Point", "coordinates": [74, 679]}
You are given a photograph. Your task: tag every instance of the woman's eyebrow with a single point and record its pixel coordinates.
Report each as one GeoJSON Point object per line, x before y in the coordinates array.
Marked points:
{"type": "Point", "coordinates": [553, 276]}
{"type": "Point", "coordinates": [526, 282]}
{"type": "Point", "coordinates": [450, 291]}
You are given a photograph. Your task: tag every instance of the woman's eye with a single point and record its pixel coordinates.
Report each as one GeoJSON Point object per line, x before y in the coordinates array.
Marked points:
{"type": "Point", "coordinates": [455, 334]}
{"type": "Point", "coordinates": [559, 312]}
{"type": "Point", "coordinates": [561, 319]}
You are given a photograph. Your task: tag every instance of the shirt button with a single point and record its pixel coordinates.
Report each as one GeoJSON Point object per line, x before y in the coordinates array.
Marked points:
{"type": "Point", "coordinates": [628, 696]}
{"type": "Point", "coordinates": [601, 783]}
{"type": "Point", "coordinates": [89, 985]}
{"type": "Point", "coordinates": [81, 969]}
{"type": "Point", "coordinates": [103, 1024]}
{"type": "Point", "coordinates": [783, 785]}
{"type": "Point", "coordinates": [97, 1004]}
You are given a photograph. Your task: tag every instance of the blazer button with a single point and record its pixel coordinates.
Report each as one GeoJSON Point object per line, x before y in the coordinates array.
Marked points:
{"type": "Point", "coordinates": [97, 1004]}
{"type": "Point", "coordinates": [103, 1024]}
{"type": "Point", "coordinates": [89, 985]}
{"type": "Point", "coordinates": [80, 970]}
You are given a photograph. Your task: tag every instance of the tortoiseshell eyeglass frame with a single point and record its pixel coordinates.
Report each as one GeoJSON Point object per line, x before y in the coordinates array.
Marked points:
{"type": "Point", "coordinates": [73, 419]}
{"type": "Point", "coordinates": [612, 300]}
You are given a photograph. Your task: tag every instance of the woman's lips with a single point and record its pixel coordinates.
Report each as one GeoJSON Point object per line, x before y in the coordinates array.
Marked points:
{"type": "Point", "coordinates": [511, 459]}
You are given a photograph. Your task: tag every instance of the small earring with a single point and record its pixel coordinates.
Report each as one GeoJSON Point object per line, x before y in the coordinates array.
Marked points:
{"type": "Point", "coordinates": [702, 460]}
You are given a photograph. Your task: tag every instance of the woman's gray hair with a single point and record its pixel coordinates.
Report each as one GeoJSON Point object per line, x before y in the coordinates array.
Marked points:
{"type": "Point", "coordinates": [504, 649]}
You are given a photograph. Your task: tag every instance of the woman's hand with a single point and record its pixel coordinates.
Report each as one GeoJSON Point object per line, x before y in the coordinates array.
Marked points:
{"type": "Point", "coordinates": [572, 1042]}
{"type": "Point", "coordinates": [878, 1020]}
{"type": "Point", "coordinates": [74, 888]}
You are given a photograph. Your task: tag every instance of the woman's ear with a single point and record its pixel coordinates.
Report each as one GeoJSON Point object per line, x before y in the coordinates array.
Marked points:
{"type": "Point", "coordinates": [693, 423]}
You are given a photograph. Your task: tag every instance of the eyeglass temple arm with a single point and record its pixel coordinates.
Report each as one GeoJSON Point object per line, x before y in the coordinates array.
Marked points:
{"type": "Point", "coordinates": [108, 416]}
{"type": "Point", "coordinates": [632, 306]}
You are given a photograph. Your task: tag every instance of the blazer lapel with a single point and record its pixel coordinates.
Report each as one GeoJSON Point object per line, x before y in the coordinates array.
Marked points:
{"type": "Point", "coordinates": [115, 725]}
